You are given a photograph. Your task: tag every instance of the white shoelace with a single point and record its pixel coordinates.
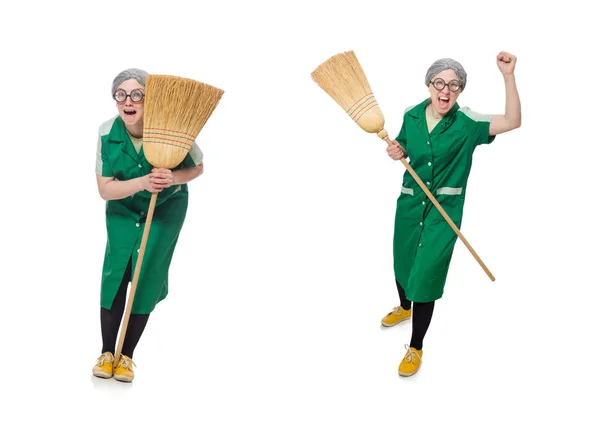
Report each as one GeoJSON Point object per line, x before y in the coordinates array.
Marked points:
{"type": "Point", "coordinates": [106, 357]}
{"type": "Point", "coordinates": [126, 362]}
{"type": "Point", "coordinates": [410, 356]}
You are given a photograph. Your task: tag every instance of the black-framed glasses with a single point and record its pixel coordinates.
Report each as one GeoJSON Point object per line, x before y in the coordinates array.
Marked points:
{"type": "Point", "coordinates": [136, 95]}
{"type": "Point", "coordinates": [439, 84]}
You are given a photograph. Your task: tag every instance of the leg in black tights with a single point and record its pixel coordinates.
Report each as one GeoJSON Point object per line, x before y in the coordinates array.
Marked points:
{"type": "Point", "coordinates": [404, 302]}
{"type": "Point", "coordinates": [135, 328]}
{"type": "Point", "coordinates": [422, 314]}
{"type": "Point", "coordinates": [110, 320]}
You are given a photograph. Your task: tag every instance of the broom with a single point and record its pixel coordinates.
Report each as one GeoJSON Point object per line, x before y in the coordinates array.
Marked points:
{"type": "Point", "coordinates": [175, 110]}
{"type": "Point", "coordinates": [342, 77]}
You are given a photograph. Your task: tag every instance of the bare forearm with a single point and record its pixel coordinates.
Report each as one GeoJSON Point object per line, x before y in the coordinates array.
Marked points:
{"type": "Point", "coordinates": [116, 189]}
{"type": "Point", "coordinates": [185, 175]}
{"type": "Point", "coordinates": [512, 110]}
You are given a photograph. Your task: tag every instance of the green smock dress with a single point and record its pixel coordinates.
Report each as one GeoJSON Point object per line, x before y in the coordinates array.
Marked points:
{"type": "Point", "coordinates": [125, 220]}
{"type": "Point", "coordinates": [423, 240]}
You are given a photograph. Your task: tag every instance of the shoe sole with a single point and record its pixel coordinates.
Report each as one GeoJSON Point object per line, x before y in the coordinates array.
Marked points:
{"type": "Point", "coordinates": [102, 375]}
{"type": "Point", "coordinates": [124, 379]}
{"type": "Point", "coordinates": [408, 375]}
{"type": "Point", "coordinates": [394, 324]}
{"type": "Point", "coordinates": [411, 374]}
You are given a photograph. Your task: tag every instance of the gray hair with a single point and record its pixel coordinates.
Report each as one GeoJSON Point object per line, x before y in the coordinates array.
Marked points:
{"type": "Point", "coordinates": [447, 64]}
{"type": "Point", "coordinates": [137, 74]}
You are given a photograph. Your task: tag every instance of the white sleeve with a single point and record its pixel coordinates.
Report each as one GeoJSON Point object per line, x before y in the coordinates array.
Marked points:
{"type": "Point", "coordinates": [99, 157]}
{"type": "Point", "coordinates": [196, 154]}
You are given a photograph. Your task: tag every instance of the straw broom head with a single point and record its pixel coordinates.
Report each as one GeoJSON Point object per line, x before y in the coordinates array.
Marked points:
{"type": "Point", "coordinates": [175, 110]}
{"type": "Point", "coordinates": [344, 80]}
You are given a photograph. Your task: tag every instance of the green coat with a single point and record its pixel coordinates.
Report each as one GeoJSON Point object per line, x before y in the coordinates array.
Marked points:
{"type": "Point", "coordinates": [423, 240]}
{"type": "Point", "coordinates": [125, 220]}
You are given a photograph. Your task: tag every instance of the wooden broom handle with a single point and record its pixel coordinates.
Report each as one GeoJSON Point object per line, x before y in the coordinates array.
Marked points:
{"type": "Point", "coordinates": [384, 135]}
{"type": "Point", "coordinates": [136, 276]}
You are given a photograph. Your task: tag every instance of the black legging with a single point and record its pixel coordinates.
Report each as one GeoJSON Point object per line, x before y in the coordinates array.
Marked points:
{"type": "Point", "coordinates": [110, 320]}
{"type": "Point", "coordinates": [422, 314]}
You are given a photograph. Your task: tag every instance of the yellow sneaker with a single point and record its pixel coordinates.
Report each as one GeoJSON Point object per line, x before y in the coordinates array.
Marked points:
{"type": "Point", "coordinates": [124, 370]}
{"type": "Point", "coordinates": [397, 315]}
{"type": "Point", "coordinates": [104, 366]}
{"type": "Point", "coordinates": [411, 362]}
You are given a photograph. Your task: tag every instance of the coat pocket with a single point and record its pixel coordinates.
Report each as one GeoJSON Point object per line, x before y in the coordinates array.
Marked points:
{"type": "Point", "coordinates": [452, 200]}
{"type": "Point", "coordinates": [449, 191]}
{"type": "Point", "coordinates": [406, 190]}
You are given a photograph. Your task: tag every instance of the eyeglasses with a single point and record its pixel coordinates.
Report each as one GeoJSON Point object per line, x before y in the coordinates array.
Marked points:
{"type": "Point", "coordinates": [136, 95]}
{"type": "Point", "coordinates": [439, 84]}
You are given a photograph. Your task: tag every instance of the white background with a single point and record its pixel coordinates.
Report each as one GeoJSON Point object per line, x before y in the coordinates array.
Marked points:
{"type": "Point", "coordinates": [284, 265]}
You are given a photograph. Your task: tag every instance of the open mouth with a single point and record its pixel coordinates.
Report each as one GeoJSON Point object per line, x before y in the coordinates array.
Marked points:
{"type": "Point", "coordinates": [129, 112]}
{"type": "Point", "coordinates": [443, 101]}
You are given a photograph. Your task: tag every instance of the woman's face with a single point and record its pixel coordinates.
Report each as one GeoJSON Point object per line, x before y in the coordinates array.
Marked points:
{"type": "Point", "coordinates": [444, 100]}
{"type": "Point", "coordinates": [131, 112]}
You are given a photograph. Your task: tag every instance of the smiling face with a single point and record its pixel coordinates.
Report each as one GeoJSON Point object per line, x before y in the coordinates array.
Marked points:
{"type": "Point", "coordinates": [131, 112]}
{"type": "Point", "coordinates": [443, 101]}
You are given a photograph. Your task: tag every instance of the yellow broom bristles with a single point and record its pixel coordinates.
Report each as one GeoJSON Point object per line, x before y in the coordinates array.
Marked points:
{"type": "Point", "coordinates": [344, 80]}
{"type": "Point", "coordinates": [175, 110]}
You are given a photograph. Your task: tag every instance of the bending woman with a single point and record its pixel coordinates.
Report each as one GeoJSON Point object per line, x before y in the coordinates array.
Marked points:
{"type": "Point", "coordinates": [126, 181]}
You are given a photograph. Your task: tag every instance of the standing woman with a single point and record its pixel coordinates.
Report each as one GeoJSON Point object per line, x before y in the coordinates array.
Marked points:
{"type": "Point", "coordinates": [440, 138]}
{"type": "Point", "coordinates": [126, 181]}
